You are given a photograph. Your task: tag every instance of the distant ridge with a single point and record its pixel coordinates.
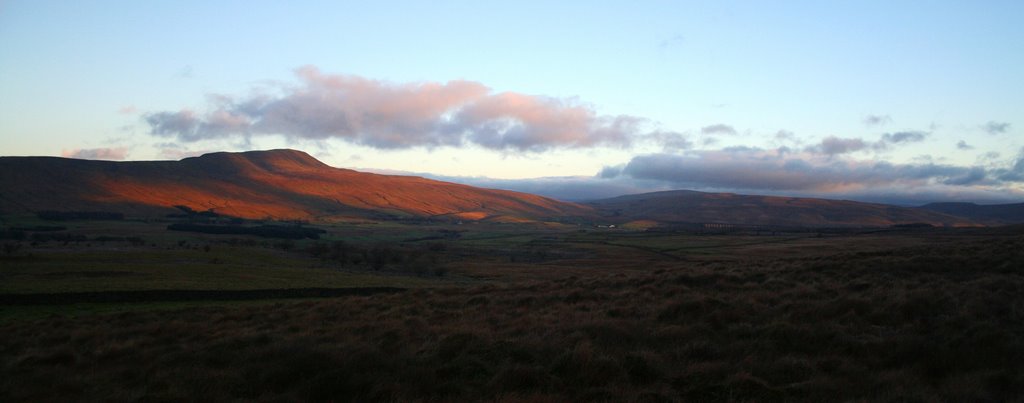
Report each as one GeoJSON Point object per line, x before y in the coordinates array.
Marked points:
{"type": "Point", "coordinates": [991, 214]}
{"type": "Point", "coordinates": [688, 206]}
{"type": "Point", "coordinates": [280, 184]}
{"type": "Point", "coordinates": [290, 184]}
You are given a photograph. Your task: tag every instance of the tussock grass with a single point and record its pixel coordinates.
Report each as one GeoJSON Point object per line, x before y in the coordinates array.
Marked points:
{"type": "Point", "coordinates": [911, 323]}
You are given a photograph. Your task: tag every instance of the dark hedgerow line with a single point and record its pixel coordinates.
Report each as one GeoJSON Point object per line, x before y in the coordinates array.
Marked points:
{"type": "Point", "coordinates": [188, 295]}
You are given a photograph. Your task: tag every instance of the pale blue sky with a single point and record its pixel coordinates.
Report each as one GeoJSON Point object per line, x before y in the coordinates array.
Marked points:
{"type": "Point", "coordinates": [82, 77]}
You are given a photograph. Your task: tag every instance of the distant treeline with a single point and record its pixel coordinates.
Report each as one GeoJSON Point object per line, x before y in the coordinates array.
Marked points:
{"type": "Point", "coordinates": [192, 214]}
{"type": "Point", "coordinates": [266, 231]}
{"type": "Point", "coordinates": [914, 225]}
{"type": "Point", "coordinates": [419, 259]}
{"type": "Point", "coordinates": [40, 228]}
{"type": "Point", "coordinates": [79, 215]}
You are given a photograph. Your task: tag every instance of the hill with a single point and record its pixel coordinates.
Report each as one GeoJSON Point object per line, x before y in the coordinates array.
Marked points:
{"type": "Point", "coordinates": [992, 214]}
{"type": "Point", "coordinates": [687, 206]}
{"type": "Point", "coordinates": [280, 184]}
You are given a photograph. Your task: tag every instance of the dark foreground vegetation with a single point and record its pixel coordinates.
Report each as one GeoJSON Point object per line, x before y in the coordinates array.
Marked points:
{"type": "Point", "coordinates": [906, 317]}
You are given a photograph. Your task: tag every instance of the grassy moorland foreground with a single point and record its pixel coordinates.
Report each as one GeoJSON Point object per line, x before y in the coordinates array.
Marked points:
{"type": "Point", "coordinates": [520, 313]}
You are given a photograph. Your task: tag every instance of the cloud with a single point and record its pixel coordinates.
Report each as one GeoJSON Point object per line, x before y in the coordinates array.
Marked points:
{"type": "Point", "coordinates": [392, 116]}
{"type": "Point", "coordinates": [670, 141]}
{"type": "Point", "coordinates": [1015, 173]}
{"type": "Point", "coordinates": [754, 169]}
{"type": "Point", "coordinates": [993, 127]}
{"type": "Point", "coordinates": [877, 120]}
{"type": "Point", "coordinates": [898, 138]}
{"type": "Point", "coordinates": [785, 135]}
{"type": "Point", "coordinates": [184, 124]}
{"type": "Point", "coordinates": [718, 129]}
{"type": "Point", "coordinates": [127, 110]}
{"type": "Point", "coordinates": [833, 145]}
{"type": "Point", "coordinates": [962, 145]}
{"type": "Point", "coordinates": [903, 137]}
{"type": "Point", "coordinates": [113, 154]}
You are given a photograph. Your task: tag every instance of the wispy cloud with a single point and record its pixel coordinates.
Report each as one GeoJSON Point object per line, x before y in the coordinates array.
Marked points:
{"type": "Point", "coordinates": [903, 137]}
{"type": "Point", "coordinates": [962, 145]}
{"type": "Point", "coordinates": [993, 127]}
{"type": "Point", "coordinates": [719, 128]}
{"type": "Point", "coordinates": [877, 120]}
{"type": "Point", "coordinates": [390, 116]}
{"type": "Point", "coordinates": [833, 145]}
{"type": "Point", "coordinates": [113, 154]}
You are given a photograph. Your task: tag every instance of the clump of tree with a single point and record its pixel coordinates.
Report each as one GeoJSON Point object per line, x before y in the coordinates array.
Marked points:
{"type": "Point", "coordinates": [79, 215]}
{"type": "Point", "coordinates": [914, 225]}
{"type": "Point", "coordinates": [265, 231]}
{"type": "Point", "coordinates": [420, 260]}
{"type": "Point", "coordinates": [207, 215]}
{"type": "Point", "coordinates": [441, 234]}
{"type": "Point", "coordinates": [59, 237]}
{"type": "Point", "coordinates": [41, 228]}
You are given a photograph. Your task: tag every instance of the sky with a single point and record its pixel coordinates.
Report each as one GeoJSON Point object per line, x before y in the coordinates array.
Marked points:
{"type": "Point", "coordinates": [902, 102]}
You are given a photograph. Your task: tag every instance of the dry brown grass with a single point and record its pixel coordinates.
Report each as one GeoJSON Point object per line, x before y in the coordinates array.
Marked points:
{"type": "Point", "coordinates": [914, 323]}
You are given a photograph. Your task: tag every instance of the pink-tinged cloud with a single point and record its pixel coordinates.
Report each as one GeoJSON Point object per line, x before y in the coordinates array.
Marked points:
{"type": "Point", "coordinates": [127, 110]}
{"type": "Point", "coordinates": [389, 115]}
{"type": "Point", "coordinates": [113, 154]}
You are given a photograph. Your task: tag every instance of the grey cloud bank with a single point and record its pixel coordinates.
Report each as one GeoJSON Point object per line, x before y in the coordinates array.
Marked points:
{"type": "Point", "coordinates": [781, 172]}
{"type": "Point", "coordinates": [785, 171]}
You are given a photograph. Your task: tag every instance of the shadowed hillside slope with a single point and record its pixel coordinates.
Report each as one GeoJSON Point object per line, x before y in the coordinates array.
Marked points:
{"type": "Point", "coordinates": [992, 214]}
{"type": "Point", "coordinates": [686, 206]}
{"type": "Point", "coordinates": [281, 184]}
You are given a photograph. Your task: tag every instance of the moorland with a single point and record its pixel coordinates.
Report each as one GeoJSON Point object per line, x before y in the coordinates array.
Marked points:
{"type": "Point", "coordinates": [491, 295]}
{"type": "Point", "coordinates": [509, 312]}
